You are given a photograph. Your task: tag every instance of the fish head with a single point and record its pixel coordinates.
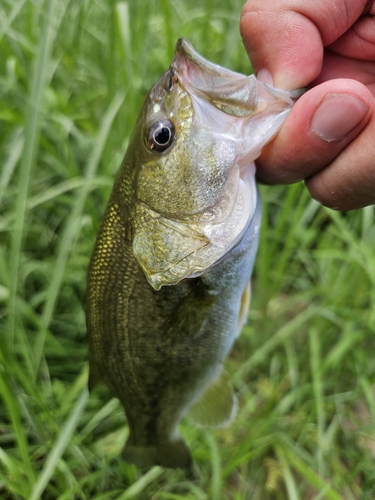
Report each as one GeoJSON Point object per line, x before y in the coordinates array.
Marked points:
{"type": "Point", "coordinates": [198, 133]}
{"type": "Point", "coordinates": [189, 157]}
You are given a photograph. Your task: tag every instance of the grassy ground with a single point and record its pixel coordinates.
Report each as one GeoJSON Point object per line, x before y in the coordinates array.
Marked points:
{"type": "Point", "coordinates": [72, 77]}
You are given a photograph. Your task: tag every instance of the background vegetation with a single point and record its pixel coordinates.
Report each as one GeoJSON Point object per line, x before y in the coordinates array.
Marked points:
{"type": "Point", "coordinates": [72, 77]}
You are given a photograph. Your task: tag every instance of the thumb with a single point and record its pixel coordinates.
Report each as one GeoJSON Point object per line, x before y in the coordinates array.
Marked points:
{"type": "Point", "coordinates": [321, 124]}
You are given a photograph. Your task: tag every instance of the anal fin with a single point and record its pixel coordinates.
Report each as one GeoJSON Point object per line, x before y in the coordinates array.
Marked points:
{"type": "Point", "coordinates": [217, 406]}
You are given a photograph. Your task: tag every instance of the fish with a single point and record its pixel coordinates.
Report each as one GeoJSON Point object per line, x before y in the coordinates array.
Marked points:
{"type": "Point", "coordinates": [168, 286]}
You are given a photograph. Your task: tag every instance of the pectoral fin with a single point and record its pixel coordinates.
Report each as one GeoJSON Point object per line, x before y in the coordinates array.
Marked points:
{"type": "Point", "coordinates": [244, 308]}
{"type": "Point", "coordinates": [190, 316]}
{"type": "Point", "coordinates": [217, 406]}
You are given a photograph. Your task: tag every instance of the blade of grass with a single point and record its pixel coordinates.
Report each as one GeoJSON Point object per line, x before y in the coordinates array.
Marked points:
{"type": "Point", "coordinates": [54, 192]}
{"type": "Point", "coordinates": [349, 338]}
{"type": "Point", "coordinates": [4, 26]}
{"type": "Point", "coordinates": [139, 486]}
{"type": "Point", "coordinates": [173, 496]}
{"type": "Point", "coordinates": [311, 476]}
{"type": "Point", "coordinates": [123, 25]}
{"type": "Point", "coordinates": [316, 374]}
{"type": "Point", "coordinates": [12, 487]}
{"type": "Point", "coordinates": [368, 389]}
{"type": "Point", "coordinates": [288, 476]}
{"type": "Point", "coordinates": [280, 336]}
{"type": "Point", "coordinates": [73, 224]}
{"type": "Point", "coordinates": [102, 414]}
{"type": "Point", "coordinates": [17, 484]}
{"type": "Point", "coordinates": [28, 157]}
{"type": "Point", "coordinates": [59, 447]}
{"type": "Point", "coordinates": [78, 487]}
{"type": "Point", "coordinates": [216, 477]}
{"type": "Point", "coordinates": [13, 410]}
{"type": "Point", "coordinates": [15, 151]}
{"type": "Point", "coordinates": [107, 495]}
{"type": "Point", "coordinates": [166, 7]}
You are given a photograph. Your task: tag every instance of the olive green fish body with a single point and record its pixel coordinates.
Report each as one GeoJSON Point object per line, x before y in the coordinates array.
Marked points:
{"type": "Point", "coordinates": [160, 348]}
{"type": "Point", "coordinates": [168, 283]}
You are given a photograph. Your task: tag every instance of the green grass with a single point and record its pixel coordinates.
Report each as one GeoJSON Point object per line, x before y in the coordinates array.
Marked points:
{"type": "Point", "coordinates": [72, 78]}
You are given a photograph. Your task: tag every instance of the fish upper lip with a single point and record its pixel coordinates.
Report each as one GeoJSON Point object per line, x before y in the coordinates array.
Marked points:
{"type": "Point", "coordinates": [184, 48]}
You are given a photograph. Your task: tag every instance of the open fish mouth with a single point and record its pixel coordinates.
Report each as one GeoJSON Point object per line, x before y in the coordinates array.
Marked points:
{"type": "Point", "coordinates": [232, 92]}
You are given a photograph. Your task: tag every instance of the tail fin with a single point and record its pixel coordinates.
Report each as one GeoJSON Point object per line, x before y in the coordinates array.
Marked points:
{"type": "Point", "coordinates": [175, 455]}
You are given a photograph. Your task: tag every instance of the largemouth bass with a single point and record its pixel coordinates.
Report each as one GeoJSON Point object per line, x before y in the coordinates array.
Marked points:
{"type": "Point", "coordinates": [168, 284]}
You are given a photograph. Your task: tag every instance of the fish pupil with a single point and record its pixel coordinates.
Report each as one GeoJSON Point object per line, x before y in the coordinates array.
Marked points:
{"type": "Point", "coordinates": [160, 135]}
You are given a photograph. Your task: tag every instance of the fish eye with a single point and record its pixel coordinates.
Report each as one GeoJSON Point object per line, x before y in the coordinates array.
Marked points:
{"type": "Point", "coordinates": [160, 135]}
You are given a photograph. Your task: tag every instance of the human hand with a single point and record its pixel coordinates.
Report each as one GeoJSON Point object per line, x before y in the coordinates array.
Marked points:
{"type": "Point", "coordinates": [328, 139]}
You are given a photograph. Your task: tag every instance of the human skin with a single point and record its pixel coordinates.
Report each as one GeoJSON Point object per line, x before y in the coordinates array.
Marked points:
{"type": "Point", "coordinates": [328, 139]}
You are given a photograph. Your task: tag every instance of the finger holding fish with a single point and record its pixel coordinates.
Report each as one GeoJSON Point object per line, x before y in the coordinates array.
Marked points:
{"type": "Point", "coordinates": [327, 138]}
{"type": "Point", "coordinates": [323, 122]}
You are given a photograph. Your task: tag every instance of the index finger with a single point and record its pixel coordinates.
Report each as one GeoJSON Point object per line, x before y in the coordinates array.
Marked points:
{"type": "Point", "coordinates": [287, 37]}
